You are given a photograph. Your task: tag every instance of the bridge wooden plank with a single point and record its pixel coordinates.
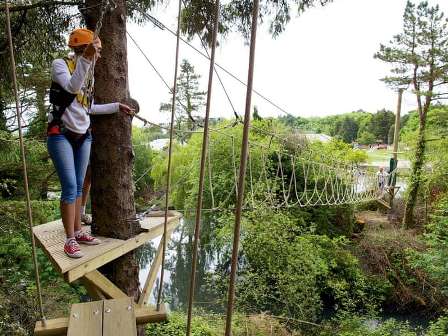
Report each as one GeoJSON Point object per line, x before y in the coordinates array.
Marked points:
{"type": "Point", "coordinates": [86, 319]}
{"type": "Point", "coordinates": [119, 317]}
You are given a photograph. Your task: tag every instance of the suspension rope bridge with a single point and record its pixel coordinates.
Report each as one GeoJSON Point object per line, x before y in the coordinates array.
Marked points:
{"type": "Point", "coordinates": [276, 177]}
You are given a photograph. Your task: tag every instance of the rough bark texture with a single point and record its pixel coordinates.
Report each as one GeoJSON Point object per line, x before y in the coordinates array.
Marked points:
{"type": "Point", "coordinates": [416, 175]}
{"type": "Point", "coordinates": [112, 191]}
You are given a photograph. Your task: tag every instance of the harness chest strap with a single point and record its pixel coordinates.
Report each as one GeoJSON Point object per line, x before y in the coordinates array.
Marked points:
{"type": "Point", "coordinates": [80, 97]}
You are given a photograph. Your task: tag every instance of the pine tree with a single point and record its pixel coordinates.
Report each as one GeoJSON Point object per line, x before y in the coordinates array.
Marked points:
{"type": "Point", "coordinates": [418, 56]}
{"type": "Point", "coordinates": [189, 98]}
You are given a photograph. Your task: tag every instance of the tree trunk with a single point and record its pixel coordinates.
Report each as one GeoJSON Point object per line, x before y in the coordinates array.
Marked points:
{"type": "Point", "coordinates": [112, 192]}
{"type": "Point", "coordinates": [416, 174]}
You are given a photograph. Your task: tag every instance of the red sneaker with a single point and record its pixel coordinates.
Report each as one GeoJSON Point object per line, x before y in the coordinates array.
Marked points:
{"type": "Point", "coordinates": [71, 248]}
{"type": "Point", "coordinates": [87, 239]}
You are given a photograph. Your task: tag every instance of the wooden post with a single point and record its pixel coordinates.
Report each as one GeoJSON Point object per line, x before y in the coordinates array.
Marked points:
{"type": "Point", "coordinates": [393, 179]}
{"type": "Point", "coordinates": [397, 124]}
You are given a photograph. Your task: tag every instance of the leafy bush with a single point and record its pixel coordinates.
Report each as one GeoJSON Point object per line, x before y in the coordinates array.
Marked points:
{"type": "Point", "coordinates": [291, 271]}
{"type": "Point", "coordinates": [433, 260]}
{"type": "Point", "coordinates": [213, 325]}
{"type": "Point", "coordinates": [18, 304]}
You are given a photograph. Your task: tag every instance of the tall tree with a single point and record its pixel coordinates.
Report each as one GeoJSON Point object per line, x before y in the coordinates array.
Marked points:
{"type": "Point", "coordinates": [112, 186]}
{"type": "Point", "coordinates": [380, 124]}
{"type": "Point", "coordinates": [347, 129]}
{"type": "Point", "coordinates": [189, 98]}
{"type": "Point", "coordinates": [419, 58]}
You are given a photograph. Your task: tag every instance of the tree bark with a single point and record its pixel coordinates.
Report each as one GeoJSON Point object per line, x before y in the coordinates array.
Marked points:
{"type": "Point", "coordinates": [416, 174]}
{"type": "Point", "coordinates": [112, 192]}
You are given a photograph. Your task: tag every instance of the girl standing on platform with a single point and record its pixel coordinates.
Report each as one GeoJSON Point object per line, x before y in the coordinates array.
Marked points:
{"type": "Point", "coordinates": [69, 137]}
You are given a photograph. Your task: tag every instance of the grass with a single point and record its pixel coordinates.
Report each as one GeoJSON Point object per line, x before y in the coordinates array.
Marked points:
{"type": "Point", "coordinates": [383, 155]}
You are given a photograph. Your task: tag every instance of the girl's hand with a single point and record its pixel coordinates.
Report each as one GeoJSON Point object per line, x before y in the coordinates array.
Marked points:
{"type": "Point", "coordinates": [89, 52]}
{"type": "Point", "coordinates": [93, 50]}
{"type": "Point", "coordinates": [126, 109]}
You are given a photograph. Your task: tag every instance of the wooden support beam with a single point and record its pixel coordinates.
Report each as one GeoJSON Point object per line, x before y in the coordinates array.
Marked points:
{"type": "Point", "coordinates": [59, 326]}
{"type": "Point", "coordinates": [149, 283]}
{"type": "Point", "coordinates": [127, 246]}
{"type": "Point", "coordinates": [94, 292]}
{"type": "Point", "coordinates": [104, 285]}
{"type": "Point", "coordinates": [383, 203]}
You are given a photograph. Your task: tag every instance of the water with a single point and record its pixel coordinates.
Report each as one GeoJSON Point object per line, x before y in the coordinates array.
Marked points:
{"type": "Point", "coordinates": [178, 267]}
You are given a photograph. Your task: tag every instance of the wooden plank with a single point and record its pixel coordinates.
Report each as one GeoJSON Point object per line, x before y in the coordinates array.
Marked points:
{"type": "Point", "coordinates": [129, 245]}
{"type": "Point", "coordinates": [161, 213]}
{"type": "Point", "coordinates": [119, 317]}
{"type": "Point", "coordinates": [59, 326]}
{"type": "Point", "coordinates": [151, 221]}
{"type": "Point", "coordinates": [86, 319]}
{"type": "Point", "coordinates": [145, 315]}
{"type": "Point", "coordinates": [149, 283]}
{"type": "Point", "coordinates": [96, 279]}
{"type": "Point", "coordinates": [51, 238]}
{"type": "Point", "coordinates": [55, 327]}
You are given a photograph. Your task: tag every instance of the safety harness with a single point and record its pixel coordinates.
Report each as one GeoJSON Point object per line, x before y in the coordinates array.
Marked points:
{"type": "Point", "coordinates": [61, 99]}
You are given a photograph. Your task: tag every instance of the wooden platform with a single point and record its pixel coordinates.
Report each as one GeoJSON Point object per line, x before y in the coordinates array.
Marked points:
{"type": "Point", "coordinates": [51, 237]}
{"type": "Point", "coordinates": [109, 317]}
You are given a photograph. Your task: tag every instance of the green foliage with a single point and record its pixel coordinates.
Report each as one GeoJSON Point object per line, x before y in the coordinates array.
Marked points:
{"type": "Point", "coordinates": [358, 326]}
{"type": "Point", "coordinates": [366, 138]}
{"type": "Point", "coordinates": [384, 251]}
{"type": "Point", "coordinates": [176, 326]}
{"type": "Point", "coordinates": [434, 177]}
{"type": "Point", "coordinates": [291, 271]}
{"type": "Point", "coordinates": [360, 126]}
{"type": "Point", "coordinates": [204, 324]}
{"type": "Point", "coordinates": [141, 137]}
{"type": "Point", "coordinates": [347, 129]}
{"type": "Point", "coordinates": [438, 327]}
{"type": "Point", "coordinates": [338, 151]}
{"type": "Point", "coordinates": [236, 15]}
{"type": "Point", "coordinates": [380, 125]}
{"type": "Point", "coordinates": [18, 307]}
{"type": "Point", "coordinates": [433, 260]}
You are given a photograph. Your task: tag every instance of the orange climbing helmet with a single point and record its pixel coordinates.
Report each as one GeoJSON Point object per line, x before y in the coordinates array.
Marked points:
{"type": "Point", "coordinates": [79, 37]}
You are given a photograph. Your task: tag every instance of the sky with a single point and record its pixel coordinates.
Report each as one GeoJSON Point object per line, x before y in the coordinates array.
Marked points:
{"type": "Point", "coordinates": [321, 65]}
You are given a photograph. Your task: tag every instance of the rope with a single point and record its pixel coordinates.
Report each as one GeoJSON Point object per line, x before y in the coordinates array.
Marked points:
{"type": "Point", "coordinates": [89, 79]}
{"type": "Point", "coordinates": [307, 183]}
{"type": "Point", "coordinates": [25, 174]}
{"type": "Point", "coordinates": [164, 27]}
{"type": "Point", "coordinates": [204, 153]}
{"type": "Point", "coordinates": [242, 172]}
{"type": "Point", "coordinates": [170, 153]}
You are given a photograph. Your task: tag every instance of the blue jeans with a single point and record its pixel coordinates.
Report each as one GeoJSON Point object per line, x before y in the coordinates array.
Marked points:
{"type": "Point", "coordinates": [70, 163]}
